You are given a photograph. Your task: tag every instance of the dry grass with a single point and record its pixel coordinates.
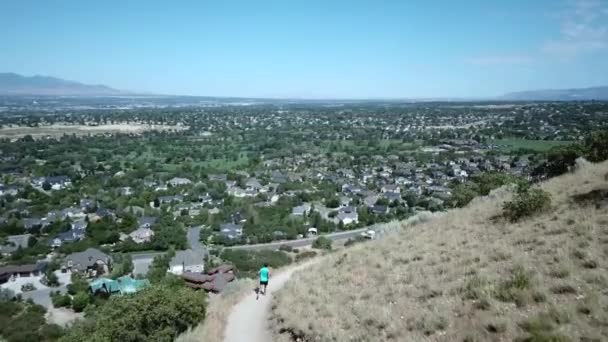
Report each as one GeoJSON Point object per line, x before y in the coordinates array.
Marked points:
{"type": "Point", "coordinates": [220, 306]}
{"type": "Point", "coordinates": [466, 275]}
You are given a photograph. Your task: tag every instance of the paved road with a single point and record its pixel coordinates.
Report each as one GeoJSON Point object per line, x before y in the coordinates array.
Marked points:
{"type": "Point", "coordinates": [302, 242]}
{"type": "Point", "coordinates": [194, 240]}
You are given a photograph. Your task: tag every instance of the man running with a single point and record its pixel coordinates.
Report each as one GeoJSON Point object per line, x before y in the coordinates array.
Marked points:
{"type": "Point", "coordinates": [264, 276]}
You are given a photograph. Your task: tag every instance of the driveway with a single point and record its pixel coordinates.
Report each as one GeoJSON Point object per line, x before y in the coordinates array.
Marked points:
{"type": "Point", "coordinates": [142, 262]}
{"type": "Point", "coordinates": [42, 293]}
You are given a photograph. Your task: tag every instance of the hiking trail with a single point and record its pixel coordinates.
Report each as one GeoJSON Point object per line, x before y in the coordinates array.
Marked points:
{"type": "Point", "coordinates": [248, 321]}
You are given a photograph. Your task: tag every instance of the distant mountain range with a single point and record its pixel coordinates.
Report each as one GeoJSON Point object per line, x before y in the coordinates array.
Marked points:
{"type": "Point", "coordinates": [592, 93]}
{"type": "Point", "coordinates": [15, 84]}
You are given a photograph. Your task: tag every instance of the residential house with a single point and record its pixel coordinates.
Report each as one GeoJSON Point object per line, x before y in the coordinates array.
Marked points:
{"type": "Point", "coordinates": [13, 243]}
{"type": "Point", "coordinates": [380, 209]}
{"type": "Point", "coordinates": [33, 223]}
{"type": "Point", "coordinates": [91, 259]}
{"type": "Point", "coordinates": [186, 261]}
{"type": "Point", "coordinates": [177, 181]}
{"type": "Point", "coordinates": [141, 235]}
{"type": "Point", "coordinates": [348, 215]}
{"type": "Point", "coordinates": [72, 213]}
{"type": "Point", "coordinates": [17, 271]}
{"type": "Point", "coordinates": [301, 210]}
{"type": "Point", "coordinates": [253, 184]}
{"type": "Point", "coordinates": [120, 286]}
{"type": "Point", "coordinates": [390, 188]}
{"type": "Point", "coordinates": [392, 196]}
{"type": "Point", "coordinates": [345, 201]}
{"type": "Point", "coordinates": [126, 191]}
{"type": "Point", "coordinates": [222, 177]}
{"type": "Point", "coordinates": [278, 177]}
{"type": "Point", "coordinates": [370, 200]}
{"type": "Point", "coordinates": [146, 221]}
{"type": "Point", "coordinates": [170, 199]}
{"type": "Point", "coordinates": [56, 182]}
{"type": "Point", "coordinates": [12, 190]}
{"type": "Point", "coordinates": [87, 204]}
{"type": "Point", "coordinates": [231, 230]}
{"type": "Point", "coordinates": [71, 235]}
{"type": "Point", "coordinates": [214, 281]}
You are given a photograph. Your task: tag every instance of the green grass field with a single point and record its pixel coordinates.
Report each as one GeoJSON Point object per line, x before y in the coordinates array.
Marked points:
{"type": "Point", "coordinates": [535, 145]}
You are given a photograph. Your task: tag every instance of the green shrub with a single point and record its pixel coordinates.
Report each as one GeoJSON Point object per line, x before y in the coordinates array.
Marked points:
{"type": "Point", "coordinates": [322, 243]}
{"type": "Point", "coordinates": [527, 201]}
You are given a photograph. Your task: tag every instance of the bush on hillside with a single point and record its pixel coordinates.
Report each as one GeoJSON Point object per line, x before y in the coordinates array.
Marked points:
{"type": "Point", "coordinates": [156, 314]}
{"type": "Point", "coordinates": [286, 248]}
{"type": "Point", "coordinates": [322, 243]}
{"type": "Point", "coordinates": [305, 255]}
{"type": "Point", "coordinates": [248, 263]}
{"type": "Point", "coordinates": [527, 201]}
{"type": "Point", "coordinates": [481, 185]}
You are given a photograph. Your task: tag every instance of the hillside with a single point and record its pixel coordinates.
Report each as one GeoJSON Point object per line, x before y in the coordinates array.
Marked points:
{"type": "Point", "coordinates": [15, 84]}
{"type": "Point", "coordinates": [467, 275]}
{"type": "Point", "coordinates": [577, 94]}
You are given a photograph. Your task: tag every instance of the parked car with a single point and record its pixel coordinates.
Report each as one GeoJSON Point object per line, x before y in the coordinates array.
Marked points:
{"type": "Point", "coordinates": [369, 234]}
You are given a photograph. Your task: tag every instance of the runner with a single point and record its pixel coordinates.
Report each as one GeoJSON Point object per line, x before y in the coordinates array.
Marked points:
{"type": "Point", "coordinates": [264, 276]}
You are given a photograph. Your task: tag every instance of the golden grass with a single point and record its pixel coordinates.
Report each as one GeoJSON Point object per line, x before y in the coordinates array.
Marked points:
{"type": "Point", "coordinates": [466, 275]}
{"type": "Point", "coordinates": [214, 326]}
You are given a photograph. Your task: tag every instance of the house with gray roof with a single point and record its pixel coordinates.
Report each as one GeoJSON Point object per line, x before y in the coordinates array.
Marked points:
{"type": "Point", "coordinates": [91, 259]}
{"type": "Point", "coordinates": [231, 230]}
{"type": "Point", "coordinates": [187, 261]}
{"type": "Point", "coordinates": [14, 242]}
{"type": "Point", "coordinates": [178, 181]}
{"type": "Point", "coordinates": [301, 210]}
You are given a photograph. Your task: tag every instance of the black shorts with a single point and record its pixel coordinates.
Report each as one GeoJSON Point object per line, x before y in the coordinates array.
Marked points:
{"type": "Point", "coordinates": [264, 282]}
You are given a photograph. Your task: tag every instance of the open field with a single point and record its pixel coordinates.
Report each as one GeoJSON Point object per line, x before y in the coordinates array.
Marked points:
{"type": "Point", "coordinates": [535, 145]}
{"type": "Point", "coordinates": [467, 275]}
{"type": "Point", "coordinates": [57, 130]}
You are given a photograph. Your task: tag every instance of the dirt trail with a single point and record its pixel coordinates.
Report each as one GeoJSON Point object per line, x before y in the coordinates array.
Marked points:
{"type": "Point", "coordinates": [248, 321]}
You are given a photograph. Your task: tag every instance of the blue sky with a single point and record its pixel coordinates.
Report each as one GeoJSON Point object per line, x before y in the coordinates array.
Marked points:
{"type": "Point", "coordinates": [311, 49]}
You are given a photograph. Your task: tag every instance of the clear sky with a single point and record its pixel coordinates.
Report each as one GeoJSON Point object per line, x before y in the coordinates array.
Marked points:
{"type": "Point", "coordinates": [311, 48]}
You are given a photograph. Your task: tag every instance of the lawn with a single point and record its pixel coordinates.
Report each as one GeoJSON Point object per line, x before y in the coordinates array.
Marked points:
{"type": "Point", "coordinates": [535, 145]}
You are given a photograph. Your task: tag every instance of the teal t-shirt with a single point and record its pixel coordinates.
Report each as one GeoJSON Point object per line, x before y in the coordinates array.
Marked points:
{"type": "Point", "coordinates": [264, 274]}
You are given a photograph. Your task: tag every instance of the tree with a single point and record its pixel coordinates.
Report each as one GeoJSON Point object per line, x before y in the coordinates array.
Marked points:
{"type": "Point", "coordinates": [156, 314]}
{"type": "Point", "coordinates": [51, 279]}
{"type": "Point", "coordinates": [46, 186]}
{"type": "Point", "coordinates": [80, 301]}
{"type": "Point", "coordinates": [333, 202]}
{"type": "Point", "coordinates": [596, 145]}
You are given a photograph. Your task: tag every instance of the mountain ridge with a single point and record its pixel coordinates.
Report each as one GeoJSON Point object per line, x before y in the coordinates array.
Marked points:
{"type": "Point", "coordinates": [570, 94]}
{"type": "Point", "coordinates": [16, 84]}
